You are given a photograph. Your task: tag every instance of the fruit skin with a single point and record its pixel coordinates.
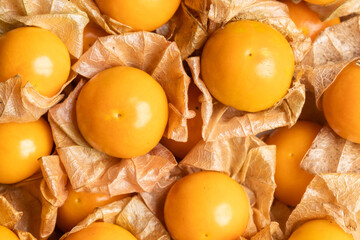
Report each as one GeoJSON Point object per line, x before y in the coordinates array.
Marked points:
{"type": "Point", "coordinates": [307, 20]}
{"type": "Point", "coordinates": [7, 234]}
{"type": "Point", "coordinates": [122, 111]}
{"type": "Point", "coordinates": [102, 231]}
{"type": "Point", "coordinates": [21, 145]}
{"type": "Point", "coordinates": [92, 32]}
{"type": "Point", "coordinates": [180, 149]}
{"type": "Point", "coordinates": [320, 2]}
{"type": "Point", "coordinates": [38, 56]}
{"type": "Point", "coordinates": [341, 103]}
{"type": "Point", "coordinates": [206, 205]}
{"type": "Point", "coordinates": [139, 14]}
{"type": "Point", "coordinates": [247, 65]}
{"type": "Point", "coordinates": [320, 229]}
{"type": "Point", "coordinates": [79, 205]}
{"type": "Point", "coordinates": [291, 146]}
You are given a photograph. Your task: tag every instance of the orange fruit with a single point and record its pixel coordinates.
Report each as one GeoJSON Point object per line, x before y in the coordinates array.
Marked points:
{"type": "Point", "coordinates": [7, 234]}
{"type": "Point", "coordinates": [180, 149]}
{"type": "Point", "coordinates": [206, 205]}
{"type": "Point", "coordinates": [320, 229]}
{"type": "Point", "coordinates": [139, 14]}
{"type": "Point", "coordinates": [341, 103]}
{"type": "Point", "coordinates": [291, 146]}
{"type": "Point", "coordinates": [21, 144]}
{"type": "Point", "coordinates": [320, 2]}
{"type": "Point", "coordinates": [307, 20]}
{"type": "Point", "coordinates": [247, 65]}
{"type": "Point", "coordinates": [79, 205]}
{"type": "Point", "coordinates": [92, 32]}
{"type": "Point", "coordinates": [38, 56]}
{"type": "Point", "coordinates": [102, 231]}
{"type": "Point", "coordinates": [122, 112]}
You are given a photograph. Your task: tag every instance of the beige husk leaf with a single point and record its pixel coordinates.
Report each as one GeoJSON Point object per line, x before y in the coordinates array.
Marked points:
{"type": "Point", "coordinates": [61, 17]}
{"type": "Point", "coordinates": [153, 54]}
{"type": "Point", "coordinates": [24, 210]}
{"type": "Point", "coordinates": [334, 197]}
{"type": "Point", "coordinates": [129, 213]}
{"type": "Point", "coordinates": [196, 20]}
{"type": "Point", "coordinates": [247, 160]}
{"type": "Point", "coordinates": [93, 171]}
{"type": "Point", "coordinates": [271, 232]}
{"type": "Point", "coordinates": [222, 122]}
{"type": "Point", "coordinates": [340, 8]}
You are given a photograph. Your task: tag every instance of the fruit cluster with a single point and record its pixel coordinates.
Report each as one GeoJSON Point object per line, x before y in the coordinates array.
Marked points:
{"type": "Point", "coordinates": [184, 120]}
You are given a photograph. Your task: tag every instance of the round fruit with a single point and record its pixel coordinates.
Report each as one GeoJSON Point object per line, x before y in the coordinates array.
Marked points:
{"type": "Point", "coordinates": [122, 112]}
{"type": "Point", "coordinates": [139, 14]}
{"type": "Point", "coordinates": [79, 205]}
{"type": "Point", "coordinates": [320, 229]}
{"type": "Point", "coordinates": [206, 205]}
{"type": "Point", "coordinates": [6, 234]}
{"type": "Point", "coordinates": [92, 32]}
{"type": "Point", "coordinates": [291, 146]}
{"type": "Point", "coordinates": [320, 2]}
{"type": "Point", "coordinates": [180, 149]}
{"type": "Point", "coordinates": [341, 103]}
{"type": "Point", "coordinates": [307, 20]}
{"type": "Point", "coordinates": [21, 144]}
{"type": "Point", "coordinates": [247, 65]}
{"type": "Point", "coordinates": [102, 231]}
{"type": "Point", "coordinates": [38, 56]}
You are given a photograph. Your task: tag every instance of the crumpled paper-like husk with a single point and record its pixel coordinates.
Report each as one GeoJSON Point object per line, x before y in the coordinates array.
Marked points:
{"type": "Point", "coordinates": [340, 8]}
{"type": "Point", "coordinates": [129, 213]}
{"type": "Point", "coordinates": [24, 210]}
{"type": "Point", "coordinates": [247, 160]}
{"type": "Point", "coordinates": [271, 232]}
{"type": "Point", "coordinates": [61, 17]}
{"type": "Point", "coordinates": [330, 196]}
{"type": "Point", "coordinates": [221, 121]}
{"type": "Point", "coordinates": [93, 171]}
{"type": "Point", "coordinates": [153, 54]}
{"type": "Point", "coordinates": [194, 22]}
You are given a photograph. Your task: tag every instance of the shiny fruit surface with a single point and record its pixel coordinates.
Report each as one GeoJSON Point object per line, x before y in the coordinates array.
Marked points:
{"type": "Point", "coordinates": [7, 234]}
{"type": "Point", "coordinates": [92, 32]}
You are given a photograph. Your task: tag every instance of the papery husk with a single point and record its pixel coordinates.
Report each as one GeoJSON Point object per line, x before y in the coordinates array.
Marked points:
{"type": "Point", "coordinates": [93, 171]}
{"type": "Point", "coordinates": [24, 210]}
{"type": "Point", "coordinates": [222, 122]}
{"type": "Point", "coordinates": [129, 213]}
{"type": "Point", "coordinates": [61, 17]}
{"type": "Point", "coordinates": [334, 197]}
{"type": "Point", "coordinates": [153, 54]}
{"type": "Point", "coordinates": [247, 160]}
{"type": "Point", "coordinates": [271, 232]}
{"type": "Point", "coordinates": [340, 8]}
{"type": "Point", "coordinates": [202, 18]}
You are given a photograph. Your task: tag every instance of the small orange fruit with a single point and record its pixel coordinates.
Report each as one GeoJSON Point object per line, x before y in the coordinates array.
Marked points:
{"type": "Point", "coordinates": [320, 2]}
{"type": "Point", "coordinates": [79, 205]}
{"type": "Point", "coordinates": [92, 32]}
{"type": "Point", "coordinates": [247, 65]}
{"type": "Point", "coordinates": [320, 229]}
{"type": "Point", "coordinates": [307, 20]}
{"type": "Point", "coordinates": [7, 234]}
{"type": "Point", "coordinates": [122, 112]}
{"type": "Point", "coordinates": [206, 205]}
{"type": "Point", "coordinates": [291, 146]}
{"type": "Point", "coordinates": [21, 144]}
{"type": "Point", "coordinates": [180, 149]}
{"type": "Point", "coordinates": [38, 56]}
{"type": "Point", "coordinates": [139, 14]}
{"type": "Point", "coordinates": [341, 103]}
{"type": "Point", "coordinates": [102, 231]}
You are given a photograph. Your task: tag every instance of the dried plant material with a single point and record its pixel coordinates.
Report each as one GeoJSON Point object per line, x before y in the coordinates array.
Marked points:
{"type": "Point", "coordinates": [271, 232]}
{"type": "Point", "coordinates": [280, 213]}
{"type": "Point", "coordinates": [32, 216]}
{"type": "Point", "coordinates": [330, 196]}
{"type": "Point", "coordinates": [340, 8]}
{"type": "Point", "coordinates": [153, 54]}
{"type": "Point", "coordinates": [93, 171]}
{"type": "Point", "coordinates": [61, 17]}
{"type": "Point", "coordinates": [129, 213]}
{"type": "Point", "coordinates": [222, 122]}
{"type": "Point", "coordinates": [248, 161]}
